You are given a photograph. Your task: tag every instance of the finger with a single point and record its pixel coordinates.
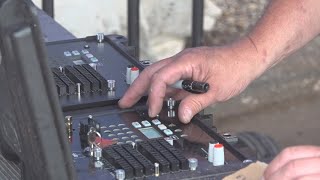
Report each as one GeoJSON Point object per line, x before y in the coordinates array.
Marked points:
{"type": "Point", "coordinates": [297, 168]}
{"type": "Point", "coordinates": [309, 177]}
{"type": "Point", "coordinates": [289, 154]}
{"type": "Point", "coordinates": [194, 103]}
{"type": "Point", "coordinates": [139, 87]}
{"type": "Point", "coordinates": [180, 95]}
{"type": "Point", "coordinates": [166, 76]}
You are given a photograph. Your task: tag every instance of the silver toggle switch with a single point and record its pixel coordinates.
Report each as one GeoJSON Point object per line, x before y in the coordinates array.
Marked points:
{"type": "Point", "coordinates": [97, 153]}
{"type": "Point", "coordinates": [171, 113]}
{"type": "Point", "coordinates": [171, 103]}
{"type": "Point", "coordinates": [61, 69]}
{"type": "Point", "coordinates": [78, 88]}
{"type": "Point", "coordinates": [111, 85]}
{"type": "Point", "coordinates": [100, 37]}
{"type": "Point", "coordinates": [156, 169]}
{"type": "Point", "coordinates": [120, 174]}
{"type": "Point", "coordinates": [193, 163]}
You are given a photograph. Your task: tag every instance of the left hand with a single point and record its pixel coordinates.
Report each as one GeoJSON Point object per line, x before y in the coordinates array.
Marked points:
{"type": "Point", "coordinates": [300, 162]}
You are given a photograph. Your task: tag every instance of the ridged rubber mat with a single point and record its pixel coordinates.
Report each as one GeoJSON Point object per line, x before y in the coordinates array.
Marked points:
{"type": "Point", "coordinates": [9, 170]}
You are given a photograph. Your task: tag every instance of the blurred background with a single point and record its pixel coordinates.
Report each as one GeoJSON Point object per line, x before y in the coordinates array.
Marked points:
{"type": "Point", "coordinates": [283, 103]}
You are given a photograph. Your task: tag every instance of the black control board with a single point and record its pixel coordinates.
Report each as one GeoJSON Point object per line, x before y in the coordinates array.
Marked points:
{"type": "Point", "coordinates": [91, 64]}
{"type": "Point", "coordinates": [110, 143]}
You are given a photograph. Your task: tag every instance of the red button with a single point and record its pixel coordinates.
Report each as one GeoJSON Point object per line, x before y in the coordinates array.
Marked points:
{"type": "Point", "coordinates": [218, 145]}
{"type": "Point", "coordinates": [134, 69]}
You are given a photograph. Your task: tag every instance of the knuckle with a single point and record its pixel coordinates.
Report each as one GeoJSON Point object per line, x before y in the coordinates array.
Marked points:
{"type": "Point", "coordinates": [147, 71]}
{"type": "Point", "coordinates": [156, 77]}
{"type": "Point", "coordinates": [287, 152]}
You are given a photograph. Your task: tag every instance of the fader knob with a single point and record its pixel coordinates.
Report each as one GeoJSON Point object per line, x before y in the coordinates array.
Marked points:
{"type": "Point", "coordinates": [218, 155]}
{"type": "Point", "coordinates": [128, 74]}
{"type": "Point", "coordinates": [210, 151]}
{"type": "Point", "coordinates": [134, 74]}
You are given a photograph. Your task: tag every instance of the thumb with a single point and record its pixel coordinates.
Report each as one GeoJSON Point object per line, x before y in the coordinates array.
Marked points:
{"type": "Point", "coordinates": [192, 104]}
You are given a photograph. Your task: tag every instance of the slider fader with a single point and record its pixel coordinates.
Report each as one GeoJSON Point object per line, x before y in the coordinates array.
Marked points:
{"type": "Point", "coordinates": [91, 75]}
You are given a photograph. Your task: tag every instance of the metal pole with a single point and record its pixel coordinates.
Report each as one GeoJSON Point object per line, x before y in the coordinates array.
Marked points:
{"type": "Point", "coordinates": [48, 7]}
{"type": "Point", "coordinates": [197, 23]}
{"type": "Point", "coordinates": [133, 25]}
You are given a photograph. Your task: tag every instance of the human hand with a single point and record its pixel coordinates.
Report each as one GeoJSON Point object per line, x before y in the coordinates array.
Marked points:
{"type": "Point", "coordinates": [300, 162]}
{"type": "Point", "coordinates": [227, 69]}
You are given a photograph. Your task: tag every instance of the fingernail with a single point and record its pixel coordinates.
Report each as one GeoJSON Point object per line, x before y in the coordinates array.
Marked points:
{"type": "Point", "coordinates": [187, 115]}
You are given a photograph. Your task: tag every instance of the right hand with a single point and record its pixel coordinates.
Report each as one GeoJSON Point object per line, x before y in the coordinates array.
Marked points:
{"type": "Point", "coordinates": [227, 69]}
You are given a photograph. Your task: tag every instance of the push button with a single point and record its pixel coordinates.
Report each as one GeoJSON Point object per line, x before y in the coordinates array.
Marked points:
{"type": "Point", "coordinates": [136, 125]}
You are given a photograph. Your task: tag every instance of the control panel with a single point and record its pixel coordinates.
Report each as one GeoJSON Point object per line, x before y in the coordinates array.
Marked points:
{"type": "Point", "coordinates": [91, 75]}
{"type": "Point", "coordinates": [91, 72]}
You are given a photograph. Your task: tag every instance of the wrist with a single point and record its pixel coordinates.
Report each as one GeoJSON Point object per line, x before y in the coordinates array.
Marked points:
{"type": "Point", "coordinates": [254, 61]}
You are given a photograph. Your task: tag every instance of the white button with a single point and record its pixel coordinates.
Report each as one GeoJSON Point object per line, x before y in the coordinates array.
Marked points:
{"type": "Point", "coordinates": [84, 51]}
{"type": "Point", "coordinates": [67, 53]}
{"type": "Point", "coordinates": [78, 62]}
{"type": "Point", "coordinates": [89, 55]}
{"type": "Point", "coordinates": [156, 122]}
{"type": "Point", "coordinates": [145, 123]}
{"type": "Point", "coordinates": [136, 125]}
{"type": "Point", "coordinates": [162, 127]}
{"type": "Point", "coordinates": [93, 59]}
{"type": "Point", "coordinates": [76, 53]}
{"type": "Point", "coordinates": [168, 132]}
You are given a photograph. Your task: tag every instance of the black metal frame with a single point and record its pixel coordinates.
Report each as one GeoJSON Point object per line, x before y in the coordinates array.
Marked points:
{"type": "Point", "coordinates": [134, 16]}
{"type": "Point", "coordinates": [48, 7]}
{"type": "Point", "coordinates": [197, 23]}
{"type": "Point", "coordinates": [134, 25]}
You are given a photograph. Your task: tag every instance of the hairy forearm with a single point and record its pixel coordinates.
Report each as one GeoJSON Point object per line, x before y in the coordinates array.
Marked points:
{"type": "Point", "coordinates": [286, 26]}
